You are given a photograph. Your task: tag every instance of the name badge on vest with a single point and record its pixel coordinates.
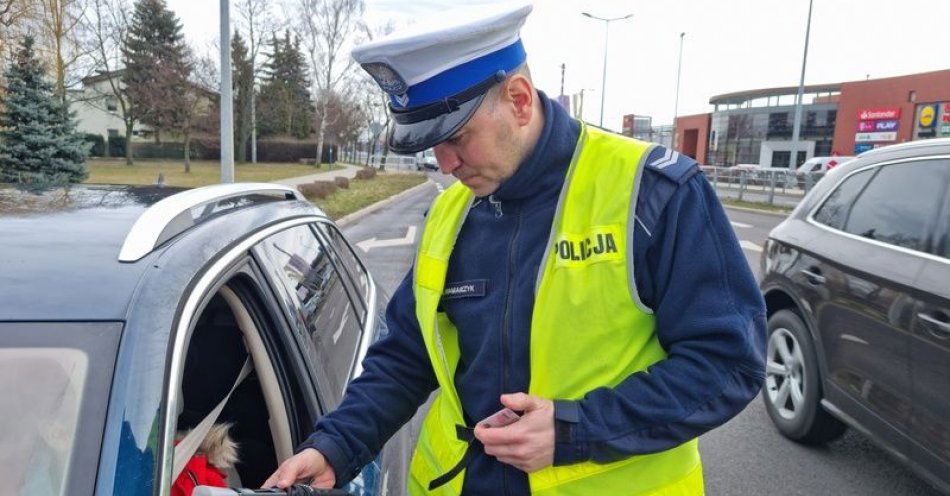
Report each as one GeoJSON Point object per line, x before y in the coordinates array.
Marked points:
{"type": "Point", "coordinates": [464, 289]}
{"type": "Point", "coordinates": [601, 244]}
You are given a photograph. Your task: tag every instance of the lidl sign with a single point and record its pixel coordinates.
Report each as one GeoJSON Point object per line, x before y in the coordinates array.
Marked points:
{"type": "Point", "coordinates": [928, 116]}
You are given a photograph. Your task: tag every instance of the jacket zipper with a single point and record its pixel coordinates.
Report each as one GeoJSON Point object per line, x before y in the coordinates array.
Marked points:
{"type": "Point", "coordinates": [495, 205]}
{"type": "Point", "coordinates": [507, 315]}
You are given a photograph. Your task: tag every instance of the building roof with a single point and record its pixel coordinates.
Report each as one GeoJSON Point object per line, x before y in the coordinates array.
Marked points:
{"type": "Point", "coordinates": [744, 96]}
{"type": "Point", "coordinates": [101, 76]}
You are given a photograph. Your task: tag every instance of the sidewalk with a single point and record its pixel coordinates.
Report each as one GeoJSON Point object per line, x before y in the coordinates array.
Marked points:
{"type": "Point", "coordinates": [348, 171]}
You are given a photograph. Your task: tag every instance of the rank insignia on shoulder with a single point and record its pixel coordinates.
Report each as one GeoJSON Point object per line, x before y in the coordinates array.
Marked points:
{"type": "Point", "coordinates": [671, 164]}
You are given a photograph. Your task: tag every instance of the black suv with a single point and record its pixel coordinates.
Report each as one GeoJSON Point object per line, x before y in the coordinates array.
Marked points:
{"type": "Point", "coordinates": [127, 314]}
{"type": "Point", "coordinates": [857, 284]}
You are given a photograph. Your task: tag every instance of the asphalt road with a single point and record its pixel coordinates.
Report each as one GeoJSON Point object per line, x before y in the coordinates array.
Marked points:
{"type": "Point", "coordinates": [746, 456]}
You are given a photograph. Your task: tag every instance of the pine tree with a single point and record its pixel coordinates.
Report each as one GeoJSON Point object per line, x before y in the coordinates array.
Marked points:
{"type": "Point", "coordinates": [285, 105]}
{"type": "Point", "coordinates": [157, 66]}
{"type": "Point", "coordinates": [38, 139]}
{"type": "Point", "coordinates": [243, 83]}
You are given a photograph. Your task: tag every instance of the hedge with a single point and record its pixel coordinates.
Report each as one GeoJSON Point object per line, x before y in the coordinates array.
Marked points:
{"type": "Point", "coordinates": [98, 148]}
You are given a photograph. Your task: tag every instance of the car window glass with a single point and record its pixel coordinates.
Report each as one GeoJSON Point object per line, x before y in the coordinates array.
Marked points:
{"type": "Point", "coordinates": [835, 209]}
{"type": "Point", "coordinates": [348, 258]}
{"type": "Point", "coordinates": [356, 296]}
{"type": "Point", "coordinates": [43, 417]}
{"type": "Point", "coordinates": [942, 244]}
{"type": "Point", "coordinates": [55, 379]}
{"type": "Point", "coordinates": [307, 273]}
{"type": "Point", "coordinates": [899, 204]}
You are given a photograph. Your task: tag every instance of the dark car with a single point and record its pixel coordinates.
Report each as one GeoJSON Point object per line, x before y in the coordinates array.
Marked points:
{"type": "Point", "coordinates": [857, 284]}
{"type": "Point", "coordinates": [127, 313]}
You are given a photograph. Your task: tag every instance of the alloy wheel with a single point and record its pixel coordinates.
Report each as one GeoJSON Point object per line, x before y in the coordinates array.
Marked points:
{"type": "Point", "coordinates": [785, 377]}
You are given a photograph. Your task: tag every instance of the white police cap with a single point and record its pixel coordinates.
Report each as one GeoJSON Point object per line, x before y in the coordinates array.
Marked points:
{"type": "Point", "coordinates": [437, 73]}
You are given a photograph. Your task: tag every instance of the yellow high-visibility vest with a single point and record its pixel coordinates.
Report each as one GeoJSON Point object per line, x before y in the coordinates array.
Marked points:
{"type": "Point", "coordinates": [588, 326]}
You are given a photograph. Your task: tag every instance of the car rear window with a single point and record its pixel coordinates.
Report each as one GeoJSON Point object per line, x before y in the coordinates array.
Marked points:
{"type": "Point", "coordinates": [55, 379]}
{"type": "Point", "coordinates": [835, 210]}
{"type": "Point", "coordinates": [900, 204]}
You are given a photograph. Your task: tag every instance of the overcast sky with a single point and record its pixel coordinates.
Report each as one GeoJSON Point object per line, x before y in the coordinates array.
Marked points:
{"type": "Point", "coordinates": [730, 45]}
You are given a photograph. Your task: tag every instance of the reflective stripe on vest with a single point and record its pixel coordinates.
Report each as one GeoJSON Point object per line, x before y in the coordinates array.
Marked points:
{"type": "Point", "coordinates": [588, 327]}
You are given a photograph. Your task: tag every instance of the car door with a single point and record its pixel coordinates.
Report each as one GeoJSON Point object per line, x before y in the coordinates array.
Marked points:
{"type": "Point", "coordinates": [930, 351]}
{"type": "Point", "coordinates": [317, 300]}
{"type": "Point", "coordinates": [872, 260]}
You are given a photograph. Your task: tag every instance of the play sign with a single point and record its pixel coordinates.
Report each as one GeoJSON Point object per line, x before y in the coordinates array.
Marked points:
{"type": "Point", "coordinates": [877, 126]}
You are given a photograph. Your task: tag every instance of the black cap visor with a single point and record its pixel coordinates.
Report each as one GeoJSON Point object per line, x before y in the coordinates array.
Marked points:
{"type": "Point", "coordinates": [417, 136]}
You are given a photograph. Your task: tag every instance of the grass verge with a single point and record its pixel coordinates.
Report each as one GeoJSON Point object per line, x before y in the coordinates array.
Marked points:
{"type": "Point", "coordinates": [203, 172]}
{"type": "Point", "coordinates": [755, 205]}
{"type": "Point", "coordinates": [365, 192]}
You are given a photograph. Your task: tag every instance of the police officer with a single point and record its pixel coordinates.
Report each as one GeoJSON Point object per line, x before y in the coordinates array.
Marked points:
{"type": "Point", "coordinates": [590, 282]}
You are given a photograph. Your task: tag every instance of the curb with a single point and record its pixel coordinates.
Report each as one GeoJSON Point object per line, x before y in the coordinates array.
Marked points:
{"type": "Point", "coordinates": [363, 212]}
{"type": "Point", "coordinates": [758, 211]}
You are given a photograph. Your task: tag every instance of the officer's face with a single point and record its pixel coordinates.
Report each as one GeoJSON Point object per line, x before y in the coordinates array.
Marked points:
{"type": "Point", "coordinates": [488, 149]}
{"type": "Point", "coordinates": [482, 154]}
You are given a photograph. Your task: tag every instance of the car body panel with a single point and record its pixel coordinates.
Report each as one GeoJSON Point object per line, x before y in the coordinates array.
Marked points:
{"type": "Point", "coordinates": [83, 226]}
{"type": "Point", "coordinates": [930, 352]}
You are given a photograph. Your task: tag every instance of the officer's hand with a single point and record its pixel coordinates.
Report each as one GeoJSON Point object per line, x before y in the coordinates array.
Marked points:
{"type": "Point", "coordinates": [527, 444]}
{"type": "Point", "coordinates": [309, 466]}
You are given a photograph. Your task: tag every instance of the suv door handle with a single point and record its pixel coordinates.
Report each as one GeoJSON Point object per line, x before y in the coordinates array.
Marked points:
{"type": "Point", "coordinates": [813, 274]}
{"type": "Point", "coordinates": [936, 328]}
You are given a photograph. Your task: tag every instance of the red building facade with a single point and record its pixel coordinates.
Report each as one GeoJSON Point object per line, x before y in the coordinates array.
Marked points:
{"type": "Point", "coordinates": [869, 114]}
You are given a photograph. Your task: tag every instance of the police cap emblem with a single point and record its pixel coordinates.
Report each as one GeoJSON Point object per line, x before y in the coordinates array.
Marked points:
{"type": "Point", "coordinates": [386, 78]}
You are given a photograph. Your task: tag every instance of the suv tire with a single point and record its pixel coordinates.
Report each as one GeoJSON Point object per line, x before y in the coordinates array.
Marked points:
{"type": "Point", "coordinates": [792, 389]}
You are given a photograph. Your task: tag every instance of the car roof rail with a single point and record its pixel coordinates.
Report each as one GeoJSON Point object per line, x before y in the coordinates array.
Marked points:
{"type": "Point", "coordinates": [906, 145]}
{"type": "Point", "coordinates": [173, 215]}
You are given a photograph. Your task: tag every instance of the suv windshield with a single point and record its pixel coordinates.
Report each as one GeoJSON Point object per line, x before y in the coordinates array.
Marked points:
{"type": "Point", "coordinates": [55, 380]}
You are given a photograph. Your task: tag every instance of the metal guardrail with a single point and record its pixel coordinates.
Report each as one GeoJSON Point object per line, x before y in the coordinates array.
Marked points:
{"type": "Point", "coordinates": [774, 186]}
{"type": "Point", "coordinates": [390, 161]}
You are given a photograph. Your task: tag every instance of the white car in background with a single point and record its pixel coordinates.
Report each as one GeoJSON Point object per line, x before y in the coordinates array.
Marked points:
{"type": "Point", "coordinates": [821, 164]}
{"type": "Point", "coordinates": [426, 160]}
{"type": "Point", "coordinates": [816, 168]}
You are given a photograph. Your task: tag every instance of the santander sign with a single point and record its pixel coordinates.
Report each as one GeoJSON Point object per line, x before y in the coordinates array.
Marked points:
{"type": "Point", "coordinates": [879, 114]}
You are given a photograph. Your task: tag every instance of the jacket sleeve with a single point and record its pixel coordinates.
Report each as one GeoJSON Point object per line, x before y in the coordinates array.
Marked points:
{"type": "Point", "coordinates": [710, 319]}
{"type": "Point", "coordinates": [397, 378]}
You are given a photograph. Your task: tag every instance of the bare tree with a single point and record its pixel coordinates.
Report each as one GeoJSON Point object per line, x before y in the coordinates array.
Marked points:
{"type": "Point", "coordinates": [373, 100]}
{"type": "Point", "coordinates": [373, 103]}
{"type": "Point", "coordinates": [325, 26]}
{"type": "Point", "coordinates": [258, 24]}
{"type": "Point", "coordinates": [107, 22]}
{"type": "Point", "coordinates": [13, 13]}
{"type": "Point", "coordinates": [61, 21]}
{"type": "Point", "coordinates": [199, 112]}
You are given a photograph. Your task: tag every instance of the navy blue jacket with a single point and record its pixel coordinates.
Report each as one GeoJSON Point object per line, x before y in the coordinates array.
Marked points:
{"type": "Point", "coordinates": [689, 268]}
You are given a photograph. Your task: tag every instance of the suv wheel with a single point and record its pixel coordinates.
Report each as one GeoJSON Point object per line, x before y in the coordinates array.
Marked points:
{"type": "Point", "coordinates": [792, 390]}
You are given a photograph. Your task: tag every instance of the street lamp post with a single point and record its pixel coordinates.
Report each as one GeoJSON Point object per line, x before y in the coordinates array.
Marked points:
{"type": "Point", "coordinates": [676, 101]}
{"type": "Point", "coordinates": [801, 92]}
{"type": "Point", "coordinates": [603, 83]}
{"type": "Point", "coordinates": [227, 133]}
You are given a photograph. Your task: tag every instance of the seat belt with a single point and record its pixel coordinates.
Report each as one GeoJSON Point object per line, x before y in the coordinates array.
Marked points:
{"type": "Point", "coordinates": [187, 447]}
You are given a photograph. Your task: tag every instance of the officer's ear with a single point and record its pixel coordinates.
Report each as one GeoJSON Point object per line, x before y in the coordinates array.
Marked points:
{"type": "Point", "coordinates": [519, 94]}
